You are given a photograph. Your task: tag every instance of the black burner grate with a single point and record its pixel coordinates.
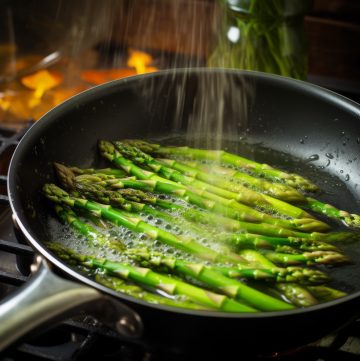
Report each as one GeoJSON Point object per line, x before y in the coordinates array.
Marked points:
{"type": "Point", "coordinates": [79, 339]}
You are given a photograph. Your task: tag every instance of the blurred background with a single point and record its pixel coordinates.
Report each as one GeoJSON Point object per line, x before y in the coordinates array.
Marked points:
{"type": "Point", "coordinates": [51, 50]}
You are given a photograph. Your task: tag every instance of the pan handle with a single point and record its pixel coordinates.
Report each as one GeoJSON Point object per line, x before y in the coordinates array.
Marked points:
{"type": "Point", "coordinates": [47, 298]}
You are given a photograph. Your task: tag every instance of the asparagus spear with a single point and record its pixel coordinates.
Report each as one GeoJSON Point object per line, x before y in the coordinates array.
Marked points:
{"type": "Point", "coordinates": [93, 236]}
{"type": "Point", "coordinates": [324, 293]}
{"type": "Point", "coordinates": [351, 220]}
{"type": "Point", "coordinates": [296, 293]}
{"type": "Point", "coordinates": [233, 177]}
{"type": "Point", "coordinates": [309, 258]}
{"type": "Point", "coordinates": [249, 240]}
{"type": "Point", "coordinates": [120, 285]}
{"type": "Point", "coordinates": [146, 276]}
{"type": "Point", "coordinates": [262, 170]}
{"type": "Point", "coordinates": [207, 200]}
{"type": "Point", "coordinates": [116, 172]}
{"type": "Point", "coordinates": [237, 190]}
{"type": "Point", "coordinates": [215, 279]}
{"type": "Point", "coordinates": [277, 274]}
{"type": "Point", "coordinates": [134, 223]}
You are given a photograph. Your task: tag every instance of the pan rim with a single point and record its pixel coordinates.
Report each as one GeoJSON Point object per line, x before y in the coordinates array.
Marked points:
{"type": "Point", "coordinates": [96, 91]}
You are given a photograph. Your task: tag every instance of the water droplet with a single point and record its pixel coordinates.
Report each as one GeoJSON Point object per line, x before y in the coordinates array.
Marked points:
{"type": "Point", "coordinates": [329, 155]}
{"type": "Point", "coordinates": [301, 141]}
{"type": "Point", "coordinates": [327, 163]}
{"type": "Point", "coordinates": [342, 133]}
{"type": "Point", "coordinates": [341, 171]}
{"type": "Point", "coordinates": [313, 157]}
{"type": "Point", "coordinates": [347, 177]}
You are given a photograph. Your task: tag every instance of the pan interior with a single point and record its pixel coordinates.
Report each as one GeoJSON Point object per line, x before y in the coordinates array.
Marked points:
{"type": "Point", "coordinates": [288, 124]}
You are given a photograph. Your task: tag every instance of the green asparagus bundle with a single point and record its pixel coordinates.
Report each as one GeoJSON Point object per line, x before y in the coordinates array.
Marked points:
{"type": "Point", "coordinates": [220, 156]}
{"type": "Point", "coordinates": [204, 199]}
{"type": "Point", "coordinates": [120, 285]}
{"type": "Point", "coordinates": [146, 276]}
{"type": "Point", "coordinates": [288, 193]}
{"type": "Point", "coordinates": [290, 274]}
{"type": "Point", "coordinates": [229, 225]}
{"type": "Point", "coordinates": [231, 178]}
{"type": "Point", "coordinates": [207, 275]}
{"type": "Point", "coordinates": [299, 295]}
{"type": "Point", "coordinates": [98, 183]}
{"type": "Point", "coordinates": [135, 223]}
{"type": "Point", "coordinates": [212, 277]}
{"type": "Point", "coordinates": [324, 253]}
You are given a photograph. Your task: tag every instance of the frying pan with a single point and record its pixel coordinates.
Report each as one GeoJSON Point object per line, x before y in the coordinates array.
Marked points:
{"type": "Point", "coordinates": [307, 128]}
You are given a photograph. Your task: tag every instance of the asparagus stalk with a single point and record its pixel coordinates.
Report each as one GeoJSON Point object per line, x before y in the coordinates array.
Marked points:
{"type": "Point", "coordinates": [309, 258]}
{"type": "Point", "coordinates": [136, 224]}
{"type": "Point", "coordinates": [233, 177]}
{"type": "Point", "coordinates": [120, 285]}
{"type": "Point", "coordinates": [351, 220]}
{"type": "Point", "coordinates": [146, 276]}
{"type": "Point", "coordinates": [296, 294]}
{"type": "Point", "coordinates": [276, 274]}
{"type": "Point", "coordinates": [220, 156]}
{"type": "Point", "coordinates": [237, 191]}
{"type": "Point", "coordinates": [249, 240]}
{"type": "Point", "coordinates": [91, 234]}
{"type": "Point", "coordinates": [223, 196]}
{"type": "Point", "coordinates": [214, 279]}
{"type": "Point", "coordinates": [324, 293]}
{"type": "Point", "coordinates": [116, 172]}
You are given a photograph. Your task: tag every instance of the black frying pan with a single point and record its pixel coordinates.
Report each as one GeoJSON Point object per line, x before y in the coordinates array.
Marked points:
{"type": "Point", "coordinates": [290, 117]}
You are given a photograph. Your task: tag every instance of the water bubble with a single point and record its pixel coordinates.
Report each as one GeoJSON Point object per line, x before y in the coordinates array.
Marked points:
{"type": "Point", "coordinates": [301, 141]}
{"type": "Point", "coordinates": [347, 177]}
{"type": "Point", "coordinates": [313, 157]}
{"type": "Point", "coordinates": [327, 163]}
{"type": "Point", "coordinates": [329, 155]}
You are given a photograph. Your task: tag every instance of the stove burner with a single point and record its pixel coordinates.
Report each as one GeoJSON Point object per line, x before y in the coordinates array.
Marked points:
{"type": "Point", "coordinates": [83, 337]}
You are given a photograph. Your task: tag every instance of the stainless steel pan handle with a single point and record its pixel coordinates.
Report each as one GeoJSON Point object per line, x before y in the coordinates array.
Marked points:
{"type": "Point", "coordinates": [46, 298]}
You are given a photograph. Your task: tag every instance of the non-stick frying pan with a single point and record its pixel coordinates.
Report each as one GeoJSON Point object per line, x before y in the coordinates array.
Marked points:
{"type": "Point", "coordinates": [307, 123]}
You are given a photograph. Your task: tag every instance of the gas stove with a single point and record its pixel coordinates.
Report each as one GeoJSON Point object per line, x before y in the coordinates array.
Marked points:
{"type": "Point", "coordinates": [80, 338]}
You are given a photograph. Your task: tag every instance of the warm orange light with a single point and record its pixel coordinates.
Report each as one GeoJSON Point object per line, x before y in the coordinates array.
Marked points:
{"type": "Point", "coordinates": [41, 81]}
{"type": "Point", "coordinates": [140, 61]}
{"type": "Point", "coordinates": [43, 91]}
{"type": "Point", "coordinates": [102, 76]}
